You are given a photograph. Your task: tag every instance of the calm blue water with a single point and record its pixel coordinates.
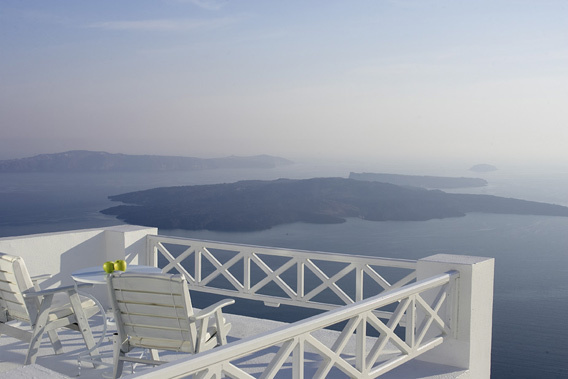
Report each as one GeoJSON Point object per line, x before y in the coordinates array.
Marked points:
{"type": "Point", "coordinates": [530, 334]}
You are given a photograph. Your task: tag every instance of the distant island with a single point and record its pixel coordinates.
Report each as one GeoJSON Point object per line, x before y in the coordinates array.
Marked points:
{"type": "Point", "coordinates": [420, 181]}
{"type": "Point", "coordinates": [483, 168]}
{"type": "Point", "coordinates": [98, 161]}
{"type": "Point", "coordinates": [260, 205]}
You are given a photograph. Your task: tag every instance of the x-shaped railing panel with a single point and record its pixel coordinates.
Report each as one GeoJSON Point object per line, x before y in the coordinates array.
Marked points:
{"type": "Point", "coordinates": [220, 269]}
{"type": "Point", "coordinates": [273, 276]}
{"type": "Point", "coordinates": [293, 347]}
{"type": "Point", "coordinates": [345, 286]}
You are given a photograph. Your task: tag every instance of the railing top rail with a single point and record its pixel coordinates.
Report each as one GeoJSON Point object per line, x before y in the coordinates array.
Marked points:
{"type": "Point", "coordinates": [307, 254]}
{"type": "Point", "coordinates": [270, 338]}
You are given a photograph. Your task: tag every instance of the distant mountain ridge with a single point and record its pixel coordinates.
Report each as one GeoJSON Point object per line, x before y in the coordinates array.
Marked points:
{"type": "Point", "coordinates": [419, 181]}
{"type": "Point", "coordinates": [259, 205]}
{"type": "Point", "coordinates": [98, 161]}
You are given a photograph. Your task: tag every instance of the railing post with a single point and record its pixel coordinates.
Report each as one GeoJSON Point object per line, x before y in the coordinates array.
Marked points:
{"type": "Point", "coordinates": [300, 266]}
{"type": "Point", "coordinates": [151, 252]}
{"type": "Point", "coordinates": [359, 283]}
{"type": "Point", "coordinates": [411, 323]}
{"type": "Point", "coordinates": [246, 271]}
{"type": "Point", "coordinates": [298, 360]}
{"type": "Point", "coordinates": [197, 257]}
{"type": "Point", "coordinates": [469, 346]}
{"type": "Point", "coordinates": [360, 344]}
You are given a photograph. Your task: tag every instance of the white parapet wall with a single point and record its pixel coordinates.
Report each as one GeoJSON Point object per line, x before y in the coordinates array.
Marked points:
{"type": "Point", "coordinates": [470, 346]}
{"type": "Point", "coordinates": [61, 253]}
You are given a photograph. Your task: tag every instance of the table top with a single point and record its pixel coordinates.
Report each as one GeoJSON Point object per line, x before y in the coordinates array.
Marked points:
{"type": "Point", "coordinates": [96, 274]}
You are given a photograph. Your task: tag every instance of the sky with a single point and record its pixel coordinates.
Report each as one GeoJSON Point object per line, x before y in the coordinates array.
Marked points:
{"type": "Point", "coordinates": [482, 81]}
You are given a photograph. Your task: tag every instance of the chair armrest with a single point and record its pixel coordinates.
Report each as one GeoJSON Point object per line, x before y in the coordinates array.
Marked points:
{"type": "Point", "coordinates": [37, 278]}
{"type": "Point", "coordinates": [51, 291]}
{"type": "Point", "coordinates": [41, 277]}
{"type": "Point", "coordinates": [210, 310]}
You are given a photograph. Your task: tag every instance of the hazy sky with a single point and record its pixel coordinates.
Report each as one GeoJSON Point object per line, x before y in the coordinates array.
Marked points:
{"type": "Point", "coordinates": [478, 81]}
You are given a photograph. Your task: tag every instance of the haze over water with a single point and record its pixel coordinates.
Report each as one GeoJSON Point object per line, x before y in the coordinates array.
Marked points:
{"type": "Point", "coordinates": [406, 80]}
{"type": "Point", "coordinates": [530, 336]}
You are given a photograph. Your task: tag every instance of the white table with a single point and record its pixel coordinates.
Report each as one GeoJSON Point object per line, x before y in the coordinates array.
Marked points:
{"type": "Point", "coordinates": [96, 275]}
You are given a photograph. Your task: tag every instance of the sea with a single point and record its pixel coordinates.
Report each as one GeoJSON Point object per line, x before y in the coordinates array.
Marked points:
{"type": "Point", "coordinates": [530, 318]}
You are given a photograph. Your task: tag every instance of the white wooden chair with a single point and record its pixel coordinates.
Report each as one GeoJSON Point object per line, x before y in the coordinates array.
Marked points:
{"type": "Point", "coordinates": [22, 300]}
{"type": "Point", "coordinates": [153, 311]}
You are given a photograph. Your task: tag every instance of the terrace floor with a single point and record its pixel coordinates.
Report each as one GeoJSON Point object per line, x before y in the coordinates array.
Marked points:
{"type": "Point", "coordinates": [49, 365]}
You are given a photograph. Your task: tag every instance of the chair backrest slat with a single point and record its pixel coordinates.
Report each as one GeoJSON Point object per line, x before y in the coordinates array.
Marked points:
{"type": "Point", "coordinates": [152, 310]}
{"type": "Point", "coordinates": [161, 343]}
{"type": "Point", "coordinates": [15, 279]}
{"type": "Point", "coordinates": [151, 331]}
{"type": "Point", "coordinates": [159, 322]}
{"type": "Point", "coordinates": [149, 298]}
{"type": "Point", "coordinates": [8, 283]}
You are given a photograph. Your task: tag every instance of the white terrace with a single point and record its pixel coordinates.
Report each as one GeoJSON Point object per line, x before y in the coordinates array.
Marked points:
{"type": "Point", "coordinates": [378, 317]}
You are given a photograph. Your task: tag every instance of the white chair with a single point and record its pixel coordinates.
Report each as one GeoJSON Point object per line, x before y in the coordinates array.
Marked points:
{"type": "Point", "coordinates": [22, 300]}
{"type": "Point", "coordinates": [154, 311]}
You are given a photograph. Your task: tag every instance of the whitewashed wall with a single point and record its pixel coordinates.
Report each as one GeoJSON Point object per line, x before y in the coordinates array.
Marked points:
{"type": "Point", "coordinates": [470, 347]}
{"type": "Point", "coordinates": [62, 253]}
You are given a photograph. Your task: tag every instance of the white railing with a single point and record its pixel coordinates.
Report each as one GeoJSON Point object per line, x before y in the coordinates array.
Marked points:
{"type": "Point", "coordinates": [427, 304]}
{"type": "Point", "coordinates": [407, 317]}
{"type": "Point", "coordinates": [279, 276]}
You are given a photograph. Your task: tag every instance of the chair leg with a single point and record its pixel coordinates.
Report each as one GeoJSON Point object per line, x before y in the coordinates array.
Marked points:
{"type": "Point", "coordinates": [117, 353]}
{"type": "Point", "coordinates": [38, 331]}
{"type": "Point", "coordinates": [201, 332]}
{"type": "Point", "coordinates": [55, 342]}
{"type": "Point", "coordinates": [221, 328]}
{"type": "Point", "coordinates": [154, 354]}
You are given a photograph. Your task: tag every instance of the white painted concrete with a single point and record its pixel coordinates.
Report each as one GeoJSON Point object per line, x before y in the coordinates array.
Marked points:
{"type": "Point", "coordinates": [471, 346]}
{"type": "Point", "coordinates": [61, 253]}
{"type": "Point", "coordinates": [34, 371]}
